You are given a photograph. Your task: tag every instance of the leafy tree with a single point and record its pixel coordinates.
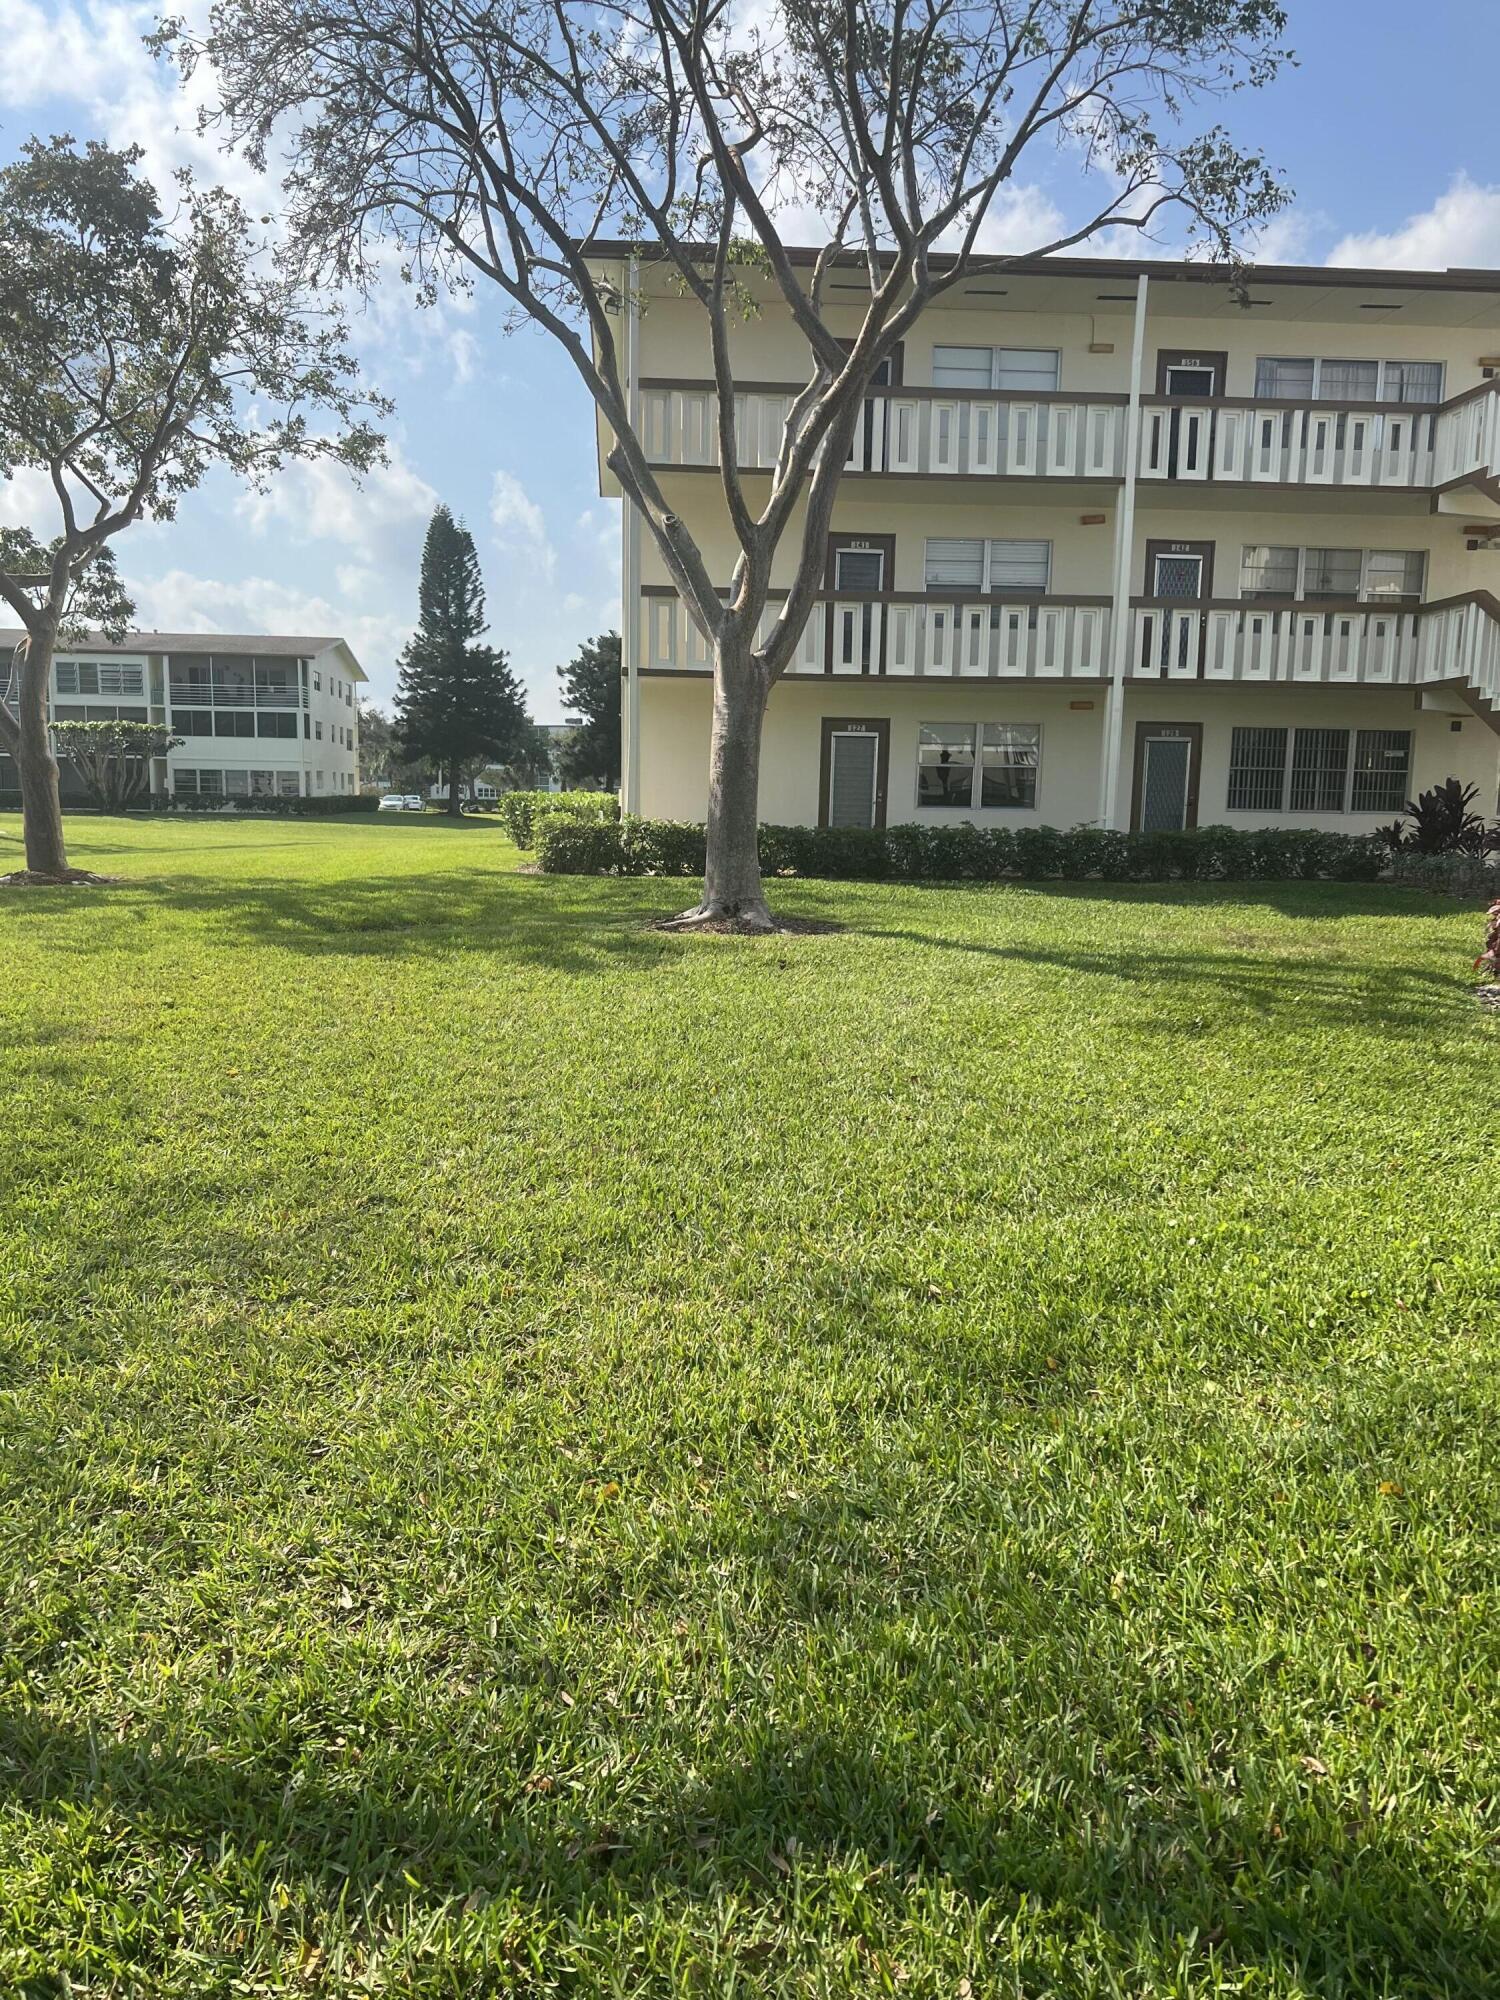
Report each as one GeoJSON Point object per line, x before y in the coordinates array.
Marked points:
{"type": "Point", "coordinates": [591, 690]}
{"type": "Point", "coordinates": [458, 705]}
{"type": "Point", "coordinates": [519, 145]}
{"type": "Point", "coordinates": [113, 759]}
{"type": "Point", "coordinates": [136, 353]}
{"type": "Point", "coordinates": [529, 764]}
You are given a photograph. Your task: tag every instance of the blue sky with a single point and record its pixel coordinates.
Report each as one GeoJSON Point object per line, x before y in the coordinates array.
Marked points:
{"type": "Point", "coordinates": [1386, 131]}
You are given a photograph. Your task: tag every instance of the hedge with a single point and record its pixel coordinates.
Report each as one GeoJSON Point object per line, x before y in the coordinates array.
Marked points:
{"type": "Point", "coordinates": [521, 812]}
{"type": "Point", "coordinates": [314, 808]}
{"type": "Point", "coordinates": [968, 853]}
{"type": "Point", "coordinates": [1475, 877]}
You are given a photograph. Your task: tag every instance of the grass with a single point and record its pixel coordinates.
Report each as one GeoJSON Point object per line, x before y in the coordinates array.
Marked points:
{"type": "Point", "coordinates": [538, 1456]}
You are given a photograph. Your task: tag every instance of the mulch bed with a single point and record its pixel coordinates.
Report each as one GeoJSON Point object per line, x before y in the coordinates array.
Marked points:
{"type": "Point", "coordinates": [1487, 996]}
{"type": "Point", "coordinates": [71, 878]}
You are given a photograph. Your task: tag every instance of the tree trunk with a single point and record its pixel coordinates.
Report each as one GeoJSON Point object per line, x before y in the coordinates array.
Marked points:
{"type": "Point", "coordinates": [41, 809]}
{"type": "Point", "coordinates": [455, 791]}
{"type": "Point", "coordinates": [731, 882]}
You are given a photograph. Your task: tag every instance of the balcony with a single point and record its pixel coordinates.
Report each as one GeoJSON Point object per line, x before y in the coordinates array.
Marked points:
{"type": "Point", "coordinates": [1229, 441]}
{"type": "Point", "coordinates": [905, 635]}
{"type": "Point", "coordinates": [235, 693]}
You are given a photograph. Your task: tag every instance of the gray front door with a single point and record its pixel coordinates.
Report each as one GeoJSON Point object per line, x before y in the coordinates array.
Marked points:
{"type": "Point", "coordinates": [852, 773]}
{"type": "Point", "coordinates": [1165, 771]}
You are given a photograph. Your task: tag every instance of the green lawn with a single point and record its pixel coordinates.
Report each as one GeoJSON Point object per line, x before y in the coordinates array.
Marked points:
{"type": "Point", "coordinates": [539, 1456]}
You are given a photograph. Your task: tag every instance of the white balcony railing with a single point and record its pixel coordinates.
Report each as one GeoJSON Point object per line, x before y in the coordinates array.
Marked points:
{"type": "Point", "coordinates": [902, 636]}
{"type": "Point", "coordinates": [934, 433]}
{"type": "Point", "coordinates": [233, 694]}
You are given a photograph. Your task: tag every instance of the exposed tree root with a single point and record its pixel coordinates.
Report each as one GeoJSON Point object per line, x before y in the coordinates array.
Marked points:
{"type": "Point", "coordinates": [751, 920]}
{"type": "Point", "coordinates": [66, 878]}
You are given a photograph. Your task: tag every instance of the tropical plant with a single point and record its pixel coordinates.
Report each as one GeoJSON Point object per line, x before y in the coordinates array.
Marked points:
{"type": "Point", "coordinates": [1442, 821]}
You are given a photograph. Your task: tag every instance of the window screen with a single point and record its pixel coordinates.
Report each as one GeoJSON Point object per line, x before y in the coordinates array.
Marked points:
{"type": "Point", "coordinates": [1382, 765]}
{"type": "Point", "coordinates": [192, 721]}
{"type": "Point", "coordinates": [1026, 369]}
{"type": "Point", "coordinates": [288, 784]}
{"type": "Point", "coordinates": [1413, 381]}
{"type": "Point", "coordinates": [211, 783]}
{"type": "Point", "coordinates": [1288, 379]}
{"type": "Point", "coordinates": [1332, 573]}
{"type": "Point", "coordinates": [1011, 754]}
{"type": "Point", "coordinates": [855, 569]}
{"type": "Point", "coordinates": [1267, 570]}
{"type": "Point", "coordinates": [963, 367]}
{"type": "Point", "coordinates": [945, 764]}
{"type": "Point", "coordinates": [276, 725]}
{"type": "Point", "coordinates": [955, 562]}
{"type": "Point", "coordinates": [1394, 575]}
{"type": "Point", "coordinates": [1320, 759]}
{"type": "Point", "coordinates": [1020, 565]}
{"type": "Point", "coordinates": [1348, 381]}
{"type": "Point", "coordinates": [1257, 770]}
{"type": "Point", "coordinates": [233, 722]}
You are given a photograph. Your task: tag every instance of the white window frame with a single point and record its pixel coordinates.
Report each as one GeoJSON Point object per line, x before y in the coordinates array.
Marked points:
{"type": "Point", "coordinates": [987, 546]}
{"type": "Point", "coordinates": [1403, 603]}
{"type": "Point", "coordinates": [852, 548]}
{"type": "Point", "coordinates": [1315, 395]}
{"type": "Point", "coordinates": [996, 369]}
{"type": "Point", "coordinates": [976, 775]}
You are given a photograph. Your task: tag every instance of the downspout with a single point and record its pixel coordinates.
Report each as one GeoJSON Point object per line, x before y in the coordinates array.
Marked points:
{"type": "Point", "coordinates": [1119, 615]}
{"type": "Point", "coordinates": [630, 624]}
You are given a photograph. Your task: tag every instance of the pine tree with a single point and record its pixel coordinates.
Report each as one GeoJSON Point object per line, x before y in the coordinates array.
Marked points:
{"type": "Point", "coordinates": [591, 691]}
{"type": "Point", "coordinates": [457, 702]}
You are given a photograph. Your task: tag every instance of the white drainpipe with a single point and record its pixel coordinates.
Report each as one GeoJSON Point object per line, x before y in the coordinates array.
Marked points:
{"type": "Point", "coordinates": [630, 624]}
{"type": "Point", "coordinates": [1119, 616]}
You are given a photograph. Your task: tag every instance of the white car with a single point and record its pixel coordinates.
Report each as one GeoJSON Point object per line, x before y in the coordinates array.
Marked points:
{"type": "Point", "coordinates": [401, 802]}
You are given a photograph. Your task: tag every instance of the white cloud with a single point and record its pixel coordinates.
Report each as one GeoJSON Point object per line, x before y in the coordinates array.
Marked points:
{"type": "Point", "coordinates": [27, 501]}
{"type": "Point", "coordinates": [382, 518]}
{"type": "Point", "coordinates": [1462, 227]}
{"type": "Point", "coordinates": [519, 525]}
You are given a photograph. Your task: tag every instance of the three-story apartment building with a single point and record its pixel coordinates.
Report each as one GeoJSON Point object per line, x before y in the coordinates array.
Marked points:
{"type": "Point", "coordinates": [259, 716]}
{"type": "Point", "coordinates": [1115, 544]}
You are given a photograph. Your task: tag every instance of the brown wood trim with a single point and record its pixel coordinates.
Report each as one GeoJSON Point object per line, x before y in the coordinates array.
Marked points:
{"type": "Point", "coordinates": [1171, 545]}
{"type": "Point", "coordinates": [1490, 388]}
{"type": "Point", "coordinates": [1486, 599]}
{"type": "Point", "coordinates": [1194, 732]}
{"type": "Point", "coordinates": [922, 392]}
{"type": "Point", "coordinates": [924, 596]}
{"type": "Point", "coordinates": [849, 538]}
{"type": "Point", "coordinates": [1216, 358]}
{"type": "Point", "coordinates": [1311, 606]}
{"type": "Point", "coordinates": [868, 725]}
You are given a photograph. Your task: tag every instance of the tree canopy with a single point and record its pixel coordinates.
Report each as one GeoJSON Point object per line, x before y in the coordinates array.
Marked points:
{"type": "Point", "coordinates": [137, 350]}
{"type": "Point", "coordinates": [591, 691]}
{"type": "Point", "coordinates": [458, 704]}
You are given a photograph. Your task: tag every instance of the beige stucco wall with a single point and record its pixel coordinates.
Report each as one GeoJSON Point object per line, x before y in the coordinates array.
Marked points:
{"type": "Point", "coordinates": [768, 348]}
{"type": "Point", "coordinates": [675, 714]}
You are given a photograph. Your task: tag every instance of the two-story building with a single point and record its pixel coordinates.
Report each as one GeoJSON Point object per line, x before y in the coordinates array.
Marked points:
{"type": "Point", "coordinates": [1116, 543]}
{"type": "Point", "coordinates": [259, 716]}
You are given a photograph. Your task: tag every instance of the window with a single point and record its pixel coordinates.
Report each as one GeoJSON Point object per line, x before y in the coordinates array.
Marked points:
{"type": "Point", "coordinates": [306, 724]}
{"type": "Point", "coordinates": [1413, 382]}
{"type": "Point", "coordinates": [348, 694]}
{"type": "Point", "coordinates": [1268, 571]}
{"type": "Point", "coordinates": [1290, 381]}
{"type": "Point", "coordinates": [1382, 766]}
{"type": "Point", "coordinates": [1010, 754]}
{"type": "Point", "coordinates": [1320, 760]}
{"type": "Point", "coordinates": [1394, 576]}
{"type": "Point", "coordinates": [99, 677]}
{"type": "Point", "coordinates": [211, 784]}
{"type": "Point", "coordinates": [1257, 770]}
{"type": "Point", "coordinates": [1018, 370]}
{"type": "Point", "coordinates": [1331, 573]}
{"type": "Point", "coordinates": [318, 731]}
{"type": "Point", "coordinates": [853, 569]}
{"type": "Point", "coordinates": [1306, 380]}
{"type": "Point", "coordinates": [967, 563]}
{"type": "Point", "coordinates": [192, 721]}
{"type": "Point", "coordinates": [288, 784]}
{"type": "Point", "coordinates": [945, 764]}
{"type": "Point", "coordinates": [262, 784]}
{"type": "Point", "coordinates": [320, 781]}
{"type": "Point", "coordinates": [276, 725]}
{"type": "Point", "coordinates": [234, 722]}
{"type": "Point", "coordinates": [237, 784]}
{"type": "Point", "coordinates": [185, 782]}
{"type": "Point", "coordinates": [317, 681]}
{"type": "Point", "coordinates": [1349, 381]}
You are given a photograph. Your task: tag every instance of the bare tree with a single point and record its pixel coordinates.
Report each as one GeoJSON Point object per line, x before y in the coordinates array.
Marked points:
{"type": "Point", "coordinates": [135, 352]}
{"type": "Point", "coordinates": [508, 142]}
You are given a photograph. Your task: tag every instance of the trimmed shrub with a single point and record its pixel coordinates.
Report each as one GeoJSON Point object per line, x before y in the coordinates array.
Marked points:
{"type": "Point", "coordinates": [1473, 876]}
{"type": "Point", "coordinates": [966, 853]}
{"type": "Point", "coordinates": [520, 811]}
